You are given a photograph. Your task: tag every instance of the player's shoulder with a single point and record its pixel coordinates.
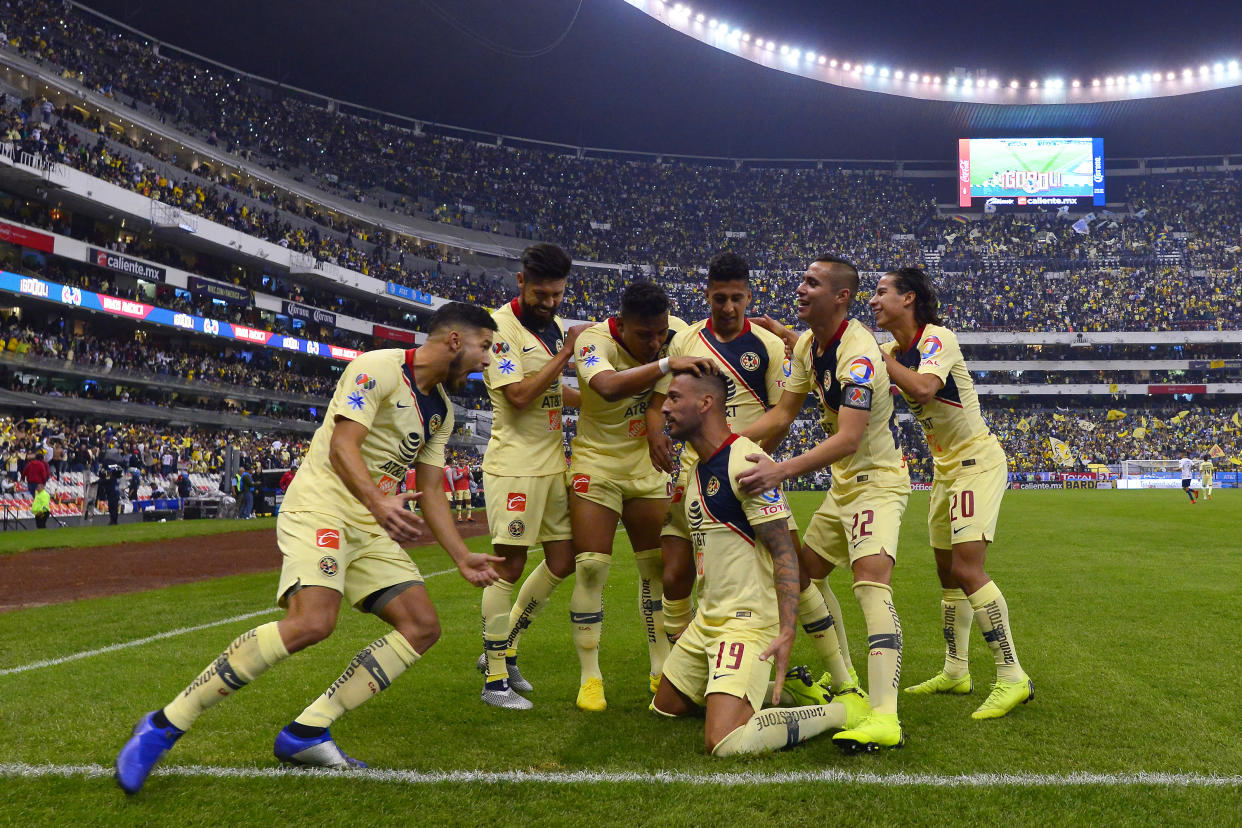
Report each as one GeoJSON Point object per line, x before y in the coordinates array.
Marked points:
{"type": "Point", "coordinates": [802, 348]}
{"type": "Point", "coordinates": [857, 337]}
{"type": "Point", "coordinates": [936, 337]}
{"type": "Point", "coordinates": [681, 339]}
{"type": "Point", "coordinates": [676, 324]}
{"type": "Point", "coordinates": [741, 448]}
{"type": "Point", "coordinates": [381, 362]}
{"type": "Point", "coordinates": [769, 339]}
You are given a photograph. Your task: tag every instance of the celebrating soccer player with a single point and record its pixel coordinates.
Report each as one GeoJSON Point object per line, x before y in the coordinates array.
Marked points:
{"type": "Point", "coordinates": [619, 362]}
{"type": "Point", "coordinates": [752, 361]}
{"type": "Point", "coordinates": [341, 529]}
{"type": "Point", "coordinates": [971, 474]}
{"type": "Point", "coordinates": [860, 519]}
{"type": "Point", "coordinates": [747, 568]}
{"type": "Point", "coordinates": [1206, 470]}
{"type": "Point", "coordinates": [524, 465]}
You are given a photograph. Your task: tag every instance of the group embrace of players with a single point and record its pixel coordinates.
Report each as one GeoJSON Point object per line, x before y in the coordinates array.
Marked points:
{"type": "Point", "coordinates": [713, 522]}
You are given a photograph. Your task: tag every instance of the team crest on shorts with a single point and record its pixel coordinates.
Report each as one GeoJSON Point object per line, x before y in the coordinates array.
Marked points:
{"type": "Point", "coordinates": [365, 380]}
{"type": "Point", "coordinates": [327, 565]}
{"type": "Point", "coordinates": [517, 528]}
{"type": "Point", "coordinates": [436, 419]}
{"type": "Point", "coordinates": [750, 360]}
{"type": "Point", "coordinates": [713, 486]}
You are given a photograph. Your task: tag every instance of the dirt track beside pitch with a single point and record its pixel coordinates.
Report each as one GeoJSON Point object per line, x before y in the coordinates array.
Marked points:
{"type": "Point", "coordinates": [31, 579]}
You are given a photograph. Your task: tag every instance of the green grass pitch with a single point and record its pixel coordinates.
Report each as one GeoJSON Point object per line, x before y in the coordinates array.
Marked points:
{"type": "Point", "coordinates": [1125, 611]}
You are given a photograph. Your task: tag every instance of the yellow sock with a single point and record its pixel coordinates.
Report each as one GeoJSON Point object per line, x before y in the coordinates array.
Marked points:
{"type": "Point", "coordinates": [250, 654]}
{"type": "Point", "coordinates": [958, 615]}
{"type": "Point", "coordinates": [651, 605]}
{"type": "Point", "coordinates": [780, 727]}
{"type": "Point", "coordinates": [834, 609]}
{"type": "Point", "coordinates": [884, 644]}
{"type": "Point", "coordinates": [586, 609]}
{"type": "Point", "coordinates": [819, 625]}
{"type": "Point", "coordinates": [496, 598]}
{"type": "Point", "coordinates": [535, 592]}
{"type": "Point", "coordinates": [372, 670]}
{"type": "Point", "coordinates": [678, 613]}
{"type": "Point", "coordinates": [992, 616]}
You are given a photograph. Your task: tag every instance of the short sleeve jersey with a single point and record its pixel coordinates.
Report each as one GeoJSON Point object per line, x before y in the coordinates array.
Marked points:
{"type": "Point", "coordinates": [752, 364]}
{"type": "Point", "coordinates": [1206, 468]}
{"type": "Point", "coordinates": [526, 442]}
{"type": "Point", "coordinates": [735, 568]}
{"type": "Point", "coordinates": [1187, 467]}
{"type": "Point", "coordinates": [404, 427]}
{"type": "Point", "coordinates": [612, 436]}
{"type": "Point", "coordinates": [848, 371]}
{"type": "Point", "coordinates": [959, 439]}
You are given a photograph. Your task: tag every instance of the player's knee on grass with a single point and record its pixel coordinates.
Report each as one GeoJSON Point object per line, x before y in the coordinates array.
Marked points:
{"type": "Point", "coordinates": [725, 714]}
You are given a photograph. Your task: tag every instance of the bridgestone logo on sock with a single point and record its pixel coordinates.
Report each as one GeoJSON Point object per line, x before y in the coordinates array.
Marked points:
{"type": "Point", "coordinates": [999, 635]}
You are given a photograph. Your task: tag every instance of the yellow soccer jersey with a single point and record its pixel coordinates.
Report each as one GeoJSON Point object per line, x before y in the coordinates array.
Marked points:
{"type": "Point", "coordinates": [734, 567]}
{"type": "Point", "coordinates": [1205, 470]}
{"type": "Point", "coordinates": [752, 363]}
{"type": "Point", "coordinates": [527, 442]}
{"type": "Point", "coordinates": [959, 439]}
{"type": "Point", "coordinates": [612, 436]}
{"type": "Point", "coordinates": [405, 427]}
{"type": "Point", "coordinates": [850, 372]}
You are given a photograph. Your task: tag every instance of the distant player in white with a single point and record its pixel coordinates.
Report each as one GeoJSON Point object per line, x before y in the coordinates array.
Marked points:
{"type": "Point", "coordinates": [1188, 468]}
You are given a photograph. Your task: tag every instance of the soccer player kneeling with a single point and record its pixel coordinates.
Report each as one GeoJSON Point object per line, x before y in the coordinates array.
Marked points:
{"type": "Point", "coordinates": [747, 570]}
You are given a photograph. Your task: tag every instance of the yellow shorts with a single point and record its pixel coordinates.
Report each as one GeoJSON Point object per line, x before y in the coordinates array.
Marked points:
{"type": "Point", "coordinates": [611, 492]}
{"type": "Point", "coordinates": [675, 523]}
{"type": "Point", "coordinates": [965, 509]}
{"type": "Point", "coordinates": [321, 550]}
{"type": "Point", "coordinates": [726, 660]}
{"type": "Point", "coordinates": [855, 521]}
{"type": "Point", "coordinates": [461, 495]}
{"type": "Point", "coordinates": [524, 511]}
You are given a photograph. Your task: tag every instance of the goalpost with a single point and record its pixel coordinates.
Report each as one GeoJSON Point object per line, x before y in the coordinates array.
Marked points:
{"type": "Point", "coordinates": [1155, 474]}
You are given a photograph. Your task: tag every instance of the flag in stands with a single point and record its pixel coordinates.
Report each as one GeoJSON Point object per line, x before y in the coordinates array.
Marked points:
{"type": "Point", "coordinates": [1061, 453]}
{"type": "Point", "coordinates": [1114, 414]}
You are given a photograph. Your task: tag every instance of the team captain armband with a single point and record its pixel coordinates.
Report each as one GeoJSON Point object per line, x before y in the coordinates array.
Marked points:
{"type": "Point", "coordinates": [856, 396]}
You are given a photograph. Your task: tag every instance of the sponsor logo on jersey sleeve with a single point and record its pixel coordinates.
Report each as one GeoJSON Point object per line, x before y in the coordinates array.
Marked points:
{"type": "Point", "coordinates": [365, 380]}
{"type": "Point", "coordinates": [356, 401]}
{"type": "Point", "coordinates": [861, 370]}
{"type": "Point", "coordinates": [931, 346]}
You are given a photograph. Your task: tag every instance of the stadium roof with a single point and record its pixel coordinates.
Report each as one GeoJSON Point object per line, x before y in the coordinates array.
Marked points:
{"type": "Point", "coordinates": [619, 78]}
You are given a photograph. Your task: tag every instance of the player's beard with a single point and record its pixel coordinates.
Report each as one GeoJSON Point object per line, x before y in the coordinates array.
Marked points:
{"type": "Point", "coordinates": [537, 313]}
{"type": "Point", "coordinates": [457, 377]}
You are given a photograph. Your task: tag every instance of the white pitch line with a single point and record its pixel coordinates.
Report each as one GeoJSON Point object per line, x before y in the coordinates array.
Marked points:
{"type": "Point", "coordinates": [1138, 779]}
{"type": "Point", "coordinates": [138, 642]}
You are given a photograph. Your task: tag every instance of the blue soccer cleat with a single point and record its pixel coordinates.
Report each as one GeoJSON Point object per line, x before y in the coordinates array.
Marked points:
{"type": "Point", "coordinates": [146, 747]}
{"type": "Point", "coordinates": [316, 752]}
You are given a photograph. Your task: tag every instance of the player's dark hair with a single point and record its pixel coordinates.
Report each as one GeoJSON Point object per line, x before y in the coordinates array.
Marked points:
{"type": "Point", "coordinates": [846, 273]}
{"type": "Point", "coordinates": [711, 382]}
{"type": "Point", "coordinates": [728, 267]}
{"type": "Point", "coordinates": [458, 315]}
{"type": "Point", "coordinates": [545, 262]}
{"type": "Point", "coordinates": [643, 300]}
{"type": "Point", "coordinates": [926, 303]}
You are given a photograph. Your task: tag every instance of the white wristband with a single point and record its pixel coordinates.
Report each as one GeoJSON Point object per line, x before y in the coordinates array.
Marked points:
{"type": "Point", "coordinates": [664, 366]}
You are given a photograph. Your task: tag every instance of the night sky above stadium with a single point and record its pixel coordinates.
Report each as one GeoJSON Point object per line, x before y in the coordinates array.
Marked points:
{"type": "Point", "coordinates": [620, 79]}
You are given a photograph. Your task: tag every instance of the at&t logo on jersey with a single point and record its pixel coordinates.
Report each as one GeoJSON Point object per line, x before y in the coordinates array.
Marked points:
{"type": "Point", "coordinates": [861, 370]}
{"type": "Point", "coordinates": [328, 538]}
{"type": "Point", "coordinates": [931, 346]}
{"type": "Point", "coordinates": [515, 502]}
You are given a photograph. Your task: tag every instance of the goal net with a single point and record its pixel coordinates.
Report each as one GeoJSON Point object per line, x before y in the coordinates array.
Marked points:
{"type": "Point", "coordinates": [1155, 474]}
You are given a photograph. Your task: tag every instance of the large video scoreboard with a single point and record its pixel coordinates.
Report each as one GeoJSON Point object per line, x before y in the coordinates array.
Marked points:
{"type": "Point", "coordinates": [1013, 173]}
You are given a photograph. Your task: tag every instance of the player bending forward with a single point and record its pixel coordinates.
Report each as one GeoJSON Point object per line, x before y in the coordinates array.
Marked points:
{"type": "Point", "coordinates": [747, 571]}
{"type": "Point", "coordinates": [971, 474]}
{"type": "Point", "coordinates": [340, 531]}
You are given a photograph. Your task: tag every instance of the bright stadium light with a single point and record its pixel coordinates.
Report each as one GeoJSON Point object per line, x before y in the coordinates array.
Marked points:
{"type": "Point", "coordinates": [884, 71]}
{"type": "Point", "coordinates": [993, 83]}
{"type": "Point", "coordinates": [784, 49]}
{"type": "Point", "coordinates": [1034, 84]}
{"type": "Point", "coordinates": [1133, 80]}
{"type": "Point", "coordinates": [795, 53]}
{"type": "Point", "coordinates": [833, 63]}
{"type": "Point", "coordinates": [770, 45]}
{"type": "Point", "coordinates": [899, 74]}
{"type": "Point", "coordinates": [858, 69]}
{"type": "Point", "coordinates": [701, 17]}
{"type": "Point", "coordinates": [1218, 68]}
{"type": "Point", "coordinates": [1013, 84]}
{"type": "Point", "coordinates": [1188, 72]}
{"type": "Point", "coordinates": [967, 83]}
{"type": "Point", "coordinates": [846, 66]}
{"type": "Point", "coordinates": [1147, 77]}
{"type": "Point", "coordinates": [1095, 81]}
{"type": "Point", "coordinates": [823, 60]}
{"type": "Point", "coordinates": [951, 82]}
{"type": "Point", "coordinates": [1108, 81]}
{"type": "Point", "coordinates": [1204, 71]}
{"type": "Point", "coordinates": [936, 80]}
{"type": "Point", "coordinates": [1077, 83]}
{"type": "Point", "coordinates": [711, 24]}
{"type": "Point", "coordinates": [869, 69]}
{"type": "Point", "coordinates": [810, 57]}
{"type": "Point", "coordinates": [1233, 67]}
{"type": "Point", "coordinates": [746, 37]}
